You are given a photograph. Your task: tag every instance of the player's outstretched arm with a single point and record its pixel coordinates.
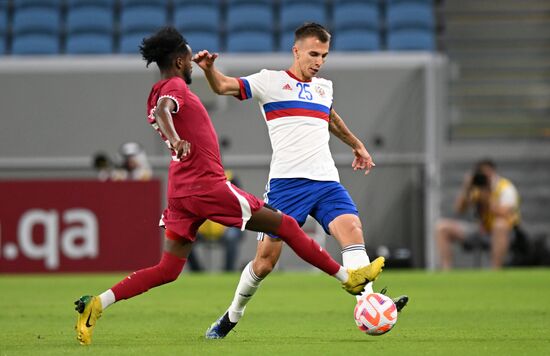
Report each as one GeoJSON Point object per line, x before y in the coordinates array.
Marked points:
{"type": "Point", "coordinates": [362, 160]}
{"type": "Point", "coordinates": [219, 82]}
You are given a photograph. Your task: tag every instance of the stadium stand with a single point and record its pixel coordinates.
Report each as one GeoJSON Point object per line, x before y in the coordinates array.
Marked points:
{"type": "Point", "coordinates": [28, 20]}
{"type": "Point", "coordinates": [250, 26]}
{"type": "Point", "coordinates": [36, 27]}
{"type": "Point", "coordinates": [411, 39]}
{"type": "Point", "coordinates": [294, 13]}
{"type": "Point", "coordinates": [356, 40]}
{"type": "Point", "coordinates": [410, 25]}
{"type": "Point", "coordinates": [138, 21]}
{"type": "Point", "coordinates": [129, 43]}
{"type": "Point", "coordinates": [36, 44]}
{"type": "Point", "coordinates": [20, 4]}
{"type": "Point", "coordinates": [374, 24]}
{"type": "Point", "coordinates": [249, 17]}
{"type": "Point", "coordinates": [410, 15]}
{"type": "Point", "coordinates": [355, 15]}
{"type": "Point", "coordinates": [502, 52]}
{"type": "Point", "coordinates": [96, 3]}
{"type": "Point", "coordinates": [3, 26]}
{"type": "Point", "coordinates": [89, 43]}
{"type": "Point", "coordinates": [197, 17]}
{"type": "Point", "coordinates": [89, 27]}
{"type": "Point", "coordinates": [356, 26]}
{"type": "Point", "coordinates": [250, 41]}
{"type": "Point", "coordinates": [199, 40]}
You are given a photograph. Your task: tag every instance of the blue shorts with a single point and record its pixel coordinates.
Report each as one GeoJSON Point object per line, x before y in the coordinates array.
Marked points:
{"type": "Point", "coordinates": [300, 197]}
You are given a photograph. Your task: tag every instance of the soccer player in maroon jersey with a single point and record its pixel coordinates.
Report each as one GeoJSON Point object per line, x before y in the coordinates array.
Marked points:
{"type": "Point", "coordinates": [198, 189]}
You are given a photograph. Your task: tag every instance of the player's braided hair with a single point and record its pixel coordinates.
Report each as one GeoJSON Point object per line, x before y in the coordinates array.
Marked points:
{"type": "Point", "coordinates": [163, 46]}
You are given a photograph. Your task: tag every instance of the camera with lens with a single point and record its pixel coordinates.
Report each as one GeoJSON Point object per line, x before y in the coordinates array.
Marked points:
{"type": "Point", "coordinates": [480, 180]}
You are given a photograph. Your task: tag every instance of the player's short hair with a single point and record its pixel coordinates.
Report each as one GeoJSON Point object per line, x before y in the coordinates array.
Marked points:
{"type": "Point", "coordinates": [163, 46]}
{"type": "Point", "coordinates": [312, 29]}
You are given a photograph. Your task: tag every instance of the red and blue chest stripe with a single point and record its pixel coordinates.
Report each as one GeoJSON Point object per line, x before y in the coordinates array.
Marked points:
{"type": "Point", "coordinates": [280, 109]}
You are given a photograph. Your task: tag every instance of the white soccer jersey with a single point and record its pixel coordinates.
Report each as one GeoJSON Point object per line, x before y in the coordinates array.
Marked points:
{"type": "Point", "coordinates": [297, 117]}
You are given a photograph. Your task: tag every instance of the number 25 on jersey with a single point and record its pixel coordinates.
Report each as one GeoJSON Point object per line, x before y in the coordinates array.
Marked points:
{"type": "Point", "coordinates": [304, 93]}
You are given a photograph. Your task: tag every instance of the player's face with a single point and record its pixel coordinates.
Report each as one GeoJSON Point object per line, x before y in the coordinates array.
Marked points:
{"type": "Point", "coordinates": [187, 68]}
{"type": "Point", "coordinates": [310, 54]}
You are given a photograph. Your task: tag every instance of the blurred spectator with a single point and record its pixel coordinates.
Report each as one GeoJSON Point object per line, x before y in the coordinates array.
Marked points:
{"type": "Point", "coordinates": [103, 166]}
{"type": "Point", "coordinates": [134, 164]}
{"type": "Point", "coordinates": [228, 237]}
{"type": "Point", "coordinates": [495, 201]}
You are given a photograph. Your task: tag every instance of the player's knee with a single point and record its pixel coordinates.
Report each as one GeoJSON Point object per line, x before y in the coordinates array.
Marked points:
{"type": "Point", "coordinates": [443, 228]}
{"type": "Point", "coordinates": [500, 225]}
{"type": "Point", "coordinates": [169, 268]}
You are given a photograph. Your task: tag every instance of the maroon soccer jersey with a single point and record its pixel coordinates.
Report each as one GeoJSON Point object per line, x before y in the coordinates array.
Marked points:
{"type": "Point", "coordinates": [202, 168]}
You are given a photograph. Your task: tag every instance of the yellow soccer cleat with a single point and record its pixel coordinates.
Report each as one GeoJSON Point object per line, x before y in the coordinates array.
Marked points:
{"type": "Point", "coordinates": [89, 310]}
{"type": "Point", "coordinates": [358, 278]}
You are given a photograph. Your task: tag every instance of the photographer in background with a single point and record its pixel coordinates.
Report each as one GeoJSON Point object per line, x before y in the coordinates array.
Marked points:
{"type": "Point", "coordinates": [496, 206]}
{"type": "Point", "coordinates": [134, 164]}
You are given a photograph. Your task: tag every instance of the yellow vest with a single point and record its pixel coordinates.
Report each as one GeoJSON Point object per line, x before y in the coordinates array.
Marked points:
{"type": "Point", "coordinates": [487, 217]}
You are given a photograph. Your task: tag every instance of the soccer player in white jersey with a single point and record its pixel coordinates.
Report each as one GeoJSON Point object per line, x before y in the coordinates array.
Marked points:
{"type": "Point", "coordinates": [298, 109]}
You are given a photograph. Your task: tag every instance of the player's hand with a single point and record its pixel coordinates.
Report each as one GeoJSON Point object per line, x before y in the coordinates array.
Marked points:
{"type": "Point", "coordinates": [182, 149]}
{"type": "Point", "coordinates": [362, 160]}
{"type": "Point", "coordinates": [204, 59]}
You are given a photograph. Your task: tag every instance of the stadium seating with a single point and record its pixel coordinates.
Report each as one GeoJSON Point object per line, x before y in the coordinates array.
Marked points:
{"type": "Point", "coordinates": [250, 41]}
{"type": "Point", "coordinates": [36, 20]}
{"type": "Point", "coordinates": [197, 17]}
{"type": "Point", "coordinates": [356, 15]}
{"type": "Point", "coordinates": [19, 4]}
{"type": "Point", "coordinates": [203, 40]}
{"type": "Point", "coordinates": [216, 3]}
{"type": "Point", "coordinates": [153, 3]}
{"type": "Point", "coordinates": [35, 44]}
{"type": "Point", "coordinates": [3, 26]}
{"type": "Point", "coordinates": [220, 24]}
{"type": "Point", "coordinates": [415, 39]}
{"type": "Point", "coordinates": [3, 20]}
{"type": "Point", "coordinates": [286, 41]}
{"type": "Point", "coordinates": [293, 14]}
{"type": "Point", "coordinates": [356, 40]}
{"type": "Point", "coordinates": [90, 19]}
{"type": "Point", "coordinates": [409, 15]}
{"type": "Point", "coordinates": [393, 2]}
{"type": "Point", "coordinates": [249, 17]}
{"type": "Point", "coordinates": [109, 4]}
{"type": "Point", "coordinates": [129, 43]}
{"type": "Point", "coordinates": [142, 19]}
{"type": "Point", "coordinates": [89, 43]}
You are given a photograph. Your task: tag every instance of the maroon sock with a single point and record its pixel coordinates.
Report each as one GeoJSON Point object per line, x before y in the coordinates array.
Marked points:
{"type": "Point", "coordinates": [306, 248]}
{"type": "Point", "coordinates": [167, 270]}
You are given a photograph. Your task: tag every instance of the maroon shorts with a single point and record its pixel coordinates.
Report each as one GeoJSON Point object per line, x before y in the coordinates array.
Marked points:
{"type": "Point", "coordinates": [224, 203]}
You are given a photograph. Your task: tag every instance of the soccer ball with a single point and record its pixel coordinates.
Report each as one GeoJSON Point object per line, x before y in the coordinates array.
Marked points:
{"type": "Point", "coordinates": [375, 314]}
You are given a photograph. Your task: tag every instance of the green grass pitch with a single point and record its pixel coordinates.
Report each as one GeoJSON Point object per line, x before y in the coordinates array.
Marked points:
{"type": "Point", "coordinates": [456, 313]}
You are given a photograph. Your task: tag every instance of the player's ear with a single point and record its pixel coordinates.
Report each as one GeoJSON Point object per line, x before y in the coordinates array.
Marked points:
{"type": "Point", "coordinates": [178, 62]}
{"type": "Point", "coordinates": [295, 51]}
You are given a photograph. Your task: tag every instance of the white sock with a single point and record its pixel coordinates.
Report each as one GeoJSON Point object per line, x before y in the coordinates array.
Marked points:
{"type": "Point", "coordinates": [355, 256]}
{"type": "Point", "coordinates": [248, 284]}
{"type": "Point", "coordinates": [342, 274]}
{"type": "Point", "coordinates": [107, 298]}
